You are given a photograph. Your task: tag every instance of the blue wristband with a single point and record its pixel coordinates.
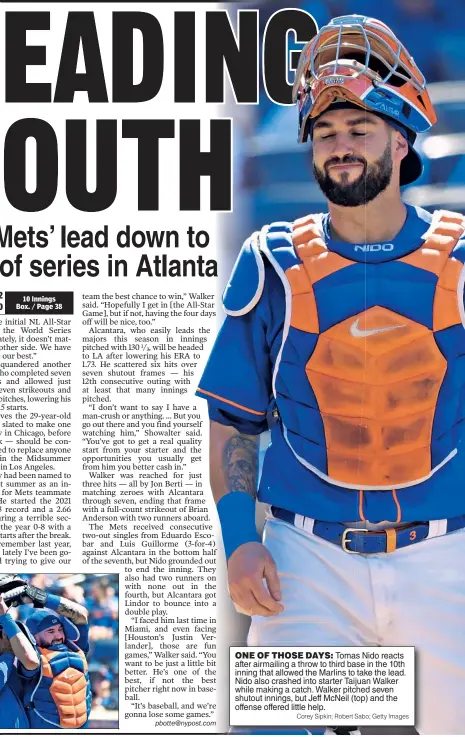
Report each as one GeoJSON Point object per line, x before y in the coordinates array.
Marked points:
{"type": "Point", "coordinates": [237, 519]}
{"type": "Point", "coordinates": [52, 602]}
{"type": "Point", "coordinates": [9, 625]}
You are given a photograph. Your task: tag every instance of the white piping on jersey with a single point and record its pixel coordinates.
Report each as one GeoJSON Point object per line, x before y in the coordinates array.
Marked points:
{"type": "Point", "coordinates": [461, 295]}
{"type": "Point", "coordinates": [261, 280]}
{"type": "Point", "coordinates": [356, 487]}
{"type": "Point", "coordinates": [287, 292]}
{"type": "Point", "coordinates": [325, 228]}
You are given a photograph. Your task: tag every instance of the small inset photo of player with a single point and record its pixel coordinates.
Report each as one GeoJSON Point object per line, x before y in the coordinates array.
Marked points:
{"type": "Point", "coordinates": [59, 651]}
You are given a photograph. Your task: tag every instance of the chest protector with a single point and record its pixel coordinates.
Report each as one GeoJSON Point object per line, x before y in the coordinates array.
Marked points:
{"type": "Point", "coordinates": [370, 377]}
{"type": "Point", "coordinates": [62, 697]}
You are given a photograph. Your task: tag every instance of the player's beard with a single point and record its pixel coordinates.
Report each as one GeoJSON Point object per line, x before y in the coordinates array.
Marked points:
{"type": "Point", "coordinates": [372, 181]}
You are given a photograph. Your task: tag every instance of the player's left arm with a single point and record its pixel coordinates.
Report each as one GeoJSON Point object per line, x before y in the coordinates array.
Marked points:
{"type": "Point", "coordinates": [73, 611]}
{"type": "Point", "coordinates": [83, 641]}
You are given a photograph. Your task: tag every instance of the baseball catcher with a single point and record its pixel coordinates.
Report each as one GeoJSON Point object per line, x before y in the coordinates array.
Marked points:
{"type": "Point", "coordinates": [345, 336]}
{"type": "Point", "coordinates": [57, 693]}
{"type": "Point", "coordinates": [19, 662]}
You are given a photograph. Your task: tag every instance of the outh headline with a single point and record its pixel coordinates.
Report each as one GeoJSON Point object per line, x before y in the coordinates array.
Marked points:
{"type": "Point", "coordinates": [234, 56]}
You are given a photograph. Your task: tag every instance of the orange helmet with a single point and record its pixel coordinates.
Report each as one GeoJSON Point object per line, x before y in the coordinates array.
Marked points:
{"type": "Point", "coordinates": [360, 61]}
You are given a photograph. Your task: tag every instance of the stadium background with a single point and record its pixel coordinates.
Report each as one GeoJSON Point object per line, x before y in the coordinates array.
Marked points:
{"type": "Point", "coordinates": [99, 594]}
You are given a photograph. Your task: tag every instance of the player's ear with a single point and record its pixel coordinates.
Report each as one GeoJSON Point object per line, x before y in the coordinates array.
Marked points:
{"type": "Point", "coordinates": [400, 145]}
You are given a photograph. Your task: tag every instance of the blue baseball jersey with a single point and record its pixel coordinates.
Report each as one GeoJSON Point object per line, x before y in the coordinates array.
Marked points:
{"type": "Point", "coordinates": [13, 715]}
{"type": "Point", "coordinates": [328, 354]}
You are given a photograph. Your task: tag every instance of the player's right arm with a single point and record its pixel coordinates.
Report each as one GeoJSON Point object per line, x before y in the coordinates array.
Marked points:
{"type": "Point", "coordinates": [252, 576]}
{"type": "Point", "coordinates": [237, 383]}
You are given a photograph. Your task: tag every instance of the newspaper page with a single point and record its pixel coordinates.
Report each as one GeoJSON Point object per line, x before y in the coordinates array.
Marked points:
{"type": "Point", "coordinates": [231, 368]}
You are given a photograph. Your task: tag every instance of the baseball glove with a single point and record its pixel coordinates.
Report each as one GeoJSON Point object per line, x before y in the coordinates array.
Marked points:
{"type": "Point", "coordinates": [12, 587]}
{"type": "Point", "coordinates": [15, 589]}
{"type": "Point", "coordinates": [37, 596]}
{"type": "Point", "coordinates": [10, 581]}
{"type": "Point", "coordinates": [13, 597]}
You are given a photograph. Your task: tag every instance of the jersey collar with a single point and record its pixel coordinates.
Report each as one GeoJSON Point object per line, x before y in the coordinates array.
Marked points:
{"type": "Point", "coordinates": [409, 238]}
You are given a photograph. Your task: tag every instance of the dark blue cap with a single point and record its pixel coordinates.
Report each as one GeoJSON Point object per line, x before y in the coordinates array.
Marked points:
{"type": "Point", "coordinates": [43, 619]}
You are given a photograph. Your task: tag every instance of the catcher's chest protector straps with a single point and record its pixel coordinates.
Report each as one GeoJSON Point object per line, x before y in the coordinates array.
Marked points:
{"type": "Point", "coordinates": [368, 381]}
{"type": "Point", "coordinates": [63, 695]}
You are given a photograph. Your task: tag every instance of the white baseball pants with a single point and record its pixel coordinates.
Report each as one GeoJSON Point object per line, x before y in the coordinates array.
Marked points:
{"type": "Point", "coordinates": [413, 596]}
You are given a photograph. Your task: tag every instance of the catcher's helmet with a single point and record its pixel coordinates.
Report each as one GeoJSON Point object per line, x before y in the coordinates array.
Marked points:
{"type": "Point", "coordinates": [360, 60]}
{"type": "Point", "coordinates": [42, 619]}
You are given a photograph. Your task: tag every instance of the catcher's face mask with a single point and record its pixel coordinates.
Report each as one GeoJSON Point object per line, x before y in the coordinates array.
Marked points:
{"type": "Point", "coordinates": [360, 60]}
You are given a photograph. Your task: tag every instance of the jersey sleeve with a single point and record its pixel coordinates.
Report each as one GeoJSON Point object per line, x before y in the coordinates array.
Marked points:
{"type": "Point", "coordinates": [25, 673]}
{"type": "Point", "coordinates": [6, 667]}
{"type": "Point", "coordinates": [237, 380]}
{"type": "Point", "coordinates": [83, 641]}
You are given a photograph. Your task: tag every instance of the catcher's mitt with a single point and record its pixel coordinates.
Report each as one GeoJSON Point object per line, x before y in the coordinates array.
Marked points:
{"type": "Point", "coordinates": [37, 596]}
{"type": "Point", "coordinates": [15, 589]}
{"type": "Point", "coordinates": [12, 587]}
{"type": "Point", "coordinates": [10, 581]}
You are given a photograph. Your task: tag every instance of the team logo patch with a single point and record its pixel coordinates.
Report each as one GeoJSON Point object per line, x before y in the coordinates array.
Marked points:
{"type": "Point", "coordinates": [387, 109]}
{"type": "Point", "coordinates": [356, 332]}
